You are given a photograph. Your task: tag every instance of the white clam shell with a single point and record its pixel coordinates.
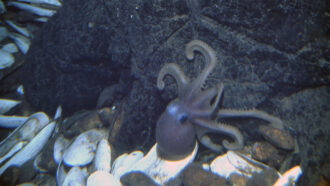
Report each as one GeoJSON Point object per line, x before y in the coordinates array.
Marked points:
{"type": "Point", "coordinates": [82, 151]}
{"type": "Point", "coordinates": [162, 170]}
{"type": "Point", "coordinates": [102, 159]}
{"type": "Point", "coordinates": [32, 8]}
{"type": "Point", "coordinates": [99, 178]}
{"type": "Point", "coordinates": [60, 145]}
{"type": "Point", "coordinates": [12, 121]}
{"type": "Point", "coordinates": [49, 2]}
{"type": "Point", "coordinates": [231, 162]}
{"type": "Point", "coordinates": [125, 163]}
{"type": "Point", "coordinates": [7, 104]}
{"type": "Point", "coordinates": [10, 47]}
{"type": "Point", "coordinates": [31, 149]}
{"type": "Point", "coordinates": [76, 176]}
{"type": "Point", "coordinates": [6, 59]}
{"type": "Point", "coordinates": [17, 147]}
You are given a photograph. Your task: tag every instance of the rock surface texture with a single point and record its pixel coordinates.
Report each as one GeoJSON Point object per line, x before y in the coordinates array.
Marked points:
{"type": "Point", "coordinates": [272, 55]}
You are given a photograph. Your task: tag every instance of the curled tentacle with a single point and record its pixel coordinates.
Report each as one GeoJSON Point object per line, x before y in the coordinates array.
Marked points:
{"type": "Point", "coordinates": [206, 140]}
{"type": "Point", "coordinates": [210, 58]}
{"type": "Point", "coordinates": [223, 128]}
{"type": "Point", "coordinates": [254, 113]}
{"type": "Point", "coordinates": [175, 71]}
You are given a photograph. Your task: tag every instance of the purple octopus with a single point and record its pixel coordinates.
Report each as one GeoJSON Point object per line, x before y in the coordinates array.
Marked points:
{"type": "Point", "coordinates": [194, 112]}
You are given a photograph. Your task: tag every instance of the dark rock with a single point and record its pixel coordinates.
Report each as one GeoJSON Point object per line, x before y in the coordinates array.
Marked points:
{"type": "Point", "coordinates": [280, 138]}
{"type": "Point", "coordinates": [137, 179]}
{"type": "Point", "coordinates": [262, 151]}
{"type": "Point", "coordinates": [266, 153]}
{"type": "Point", "coordinates": [194, 175]}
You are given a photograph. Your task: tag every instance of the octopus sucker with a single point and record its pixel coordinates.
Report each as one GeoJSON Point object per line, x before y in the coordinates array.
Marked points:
{"type": "Point", "coordinates": [210, 59]}
{"type": "Point", "coordinates": [252, 113]}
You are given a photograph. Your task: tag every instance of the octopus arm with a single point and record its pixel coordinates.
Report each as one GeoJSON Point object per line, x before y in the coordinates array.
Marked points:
{"type": "Point", "coordinates": [206, 140]}
{"type": "Point", "coordinates": [254, 113]}
{"type": "Point", "coordinates": [175, 71]}
{"type": "Point", "coordinates": [202, 105]}
{"type": "Point", "coordinates": [204, 99]}
{"type": "Point", "coordinates": [211, 61]}
{"type": "Point", "coordinates": [223, 128]}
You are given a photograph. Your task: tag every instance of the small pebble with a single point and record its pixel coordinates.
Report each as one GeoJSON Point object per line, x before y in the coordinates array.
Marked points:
{"type": "Point", "coordinates": [279, 138]}
{"type": "Point", "coordinates": [137, 179]}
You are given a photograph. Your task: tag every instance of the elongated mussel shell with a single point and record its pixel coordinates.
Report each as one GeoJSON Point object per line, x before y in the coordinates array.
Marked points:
{"type": "Point", "coordinates": [25, 132]}
{"type": "Point", "coordinates": [31, 149]}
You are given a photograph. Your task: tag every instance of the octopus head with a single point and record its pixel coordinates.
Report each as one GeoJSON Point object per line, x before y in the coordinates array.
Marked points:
{"type": "Point", "coordinates": [175, 134]}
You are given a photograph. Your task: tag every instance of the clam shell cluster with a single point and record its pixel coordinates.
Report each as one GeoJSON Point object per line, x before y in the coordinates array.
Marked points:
{"type": "Point", "coordinates": [15, 34]}
{"type": "Point", "coordinates": [77, 151]}
{"type": "Point", "coordinates": [86, 158]}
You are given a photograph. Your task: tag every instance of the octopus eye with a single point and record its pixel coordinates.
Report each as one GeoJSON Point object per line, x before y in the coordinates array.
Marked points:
{"type": "Point", "coordinates": [183, 118]}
